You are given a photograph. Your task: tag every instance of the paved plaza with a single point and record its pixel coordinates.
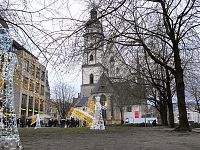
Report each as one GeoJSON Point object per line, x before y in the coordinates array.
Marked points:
{"type": "Point", "coordinates": [113, 138]}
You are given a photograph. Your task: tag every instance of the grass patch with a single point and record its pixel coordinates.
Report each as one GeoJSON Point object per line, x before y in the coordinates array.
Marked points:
{"type": "Point", "coordinates": [49, 130]}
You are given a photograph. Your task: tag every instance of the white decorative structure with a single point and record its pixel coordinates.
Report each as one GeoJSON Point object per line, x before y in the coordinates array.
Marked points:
{"type": "Point", "coordinates": [1, 120]}
{"type": "Point", "coordinates": [9, 136]}
{"type": "Point", "coordinates": [98, 122]}
{"type": "Point", "coordinates": [38, 125]}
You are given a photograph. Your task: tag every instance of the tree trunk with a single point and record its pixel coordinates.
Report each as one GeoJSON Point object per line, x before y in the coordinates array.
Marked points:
{"type": "Point", "coordinates": [163, 112]}
{"type": "Point", "coordinates": [164, 121]}
{"type": "Point", "coordinates": [183, 121]}
{"type": "Point", "coordinates": [171, 113]}
{"type": "Point", "coordinates": [121, 113]}
{"type": "Point", "coordinates": [180, 90]}
{"type": "Point", "coordinates": [169, 101]}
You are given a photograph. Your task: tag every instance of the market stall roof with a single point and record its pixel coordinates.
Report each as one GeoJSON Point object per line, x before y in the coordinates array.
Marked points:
{"type": "Point", "coordinates": [42, 116]}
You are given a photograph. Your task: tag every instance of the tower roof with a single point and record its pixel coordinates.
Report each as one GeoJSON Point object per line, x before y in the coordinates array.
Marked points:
{"type": "Point", "coordinates": [93, 14]}
{"type": "Point", "coordinates": [93, 18]}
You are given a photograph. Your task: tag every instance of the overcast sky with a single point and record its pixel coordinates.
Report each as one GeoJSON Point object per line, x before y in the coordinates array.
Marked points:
{"type": "Point", "coordinates": [41, 18]}
{"type": "Point", "coordinates": [76, 9]}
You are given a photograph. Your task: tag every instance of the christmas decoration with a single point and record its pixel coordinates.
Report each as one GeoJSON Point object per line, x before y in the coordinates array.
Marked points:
{"type": "Point", "coordinates": [38, 125]}
{"type": "Point", "coordinates": [98, 122]}
{"type": "Point", "coordinates": [9, 136]}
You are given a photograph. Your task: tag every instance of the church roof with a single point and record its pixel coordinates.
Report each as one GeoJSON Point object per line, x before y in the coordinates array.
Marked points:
{"type": "Point", "coordinates": [132, 93]}
{"type": "Point", "coordinates": [104, 85]}
{"type": "Point", "coordinates": [82, 102]}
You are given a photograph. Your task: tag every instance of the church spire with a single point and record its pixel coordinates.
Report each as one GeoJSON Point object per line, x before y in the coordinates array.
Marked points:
{"type": "Point", "coordinates": [93, 14]}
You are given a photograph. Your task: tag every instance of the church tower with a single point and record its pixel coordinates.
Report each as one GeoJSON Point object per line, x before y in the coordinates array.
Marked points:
{"type": "Point", "coordinates": [92, 67]}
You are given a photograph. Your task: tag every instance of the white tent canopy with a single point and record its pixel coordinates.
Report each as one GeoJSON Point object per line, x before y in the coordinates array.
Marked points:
{"type": "Point", "coordinates": [42, 116]}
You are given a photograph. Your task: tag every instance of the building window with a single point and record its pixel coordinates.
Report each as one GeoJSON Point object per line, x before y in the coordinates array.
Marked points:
{"type": "Point", "coordinates": [43, 76]}
{"type": "Point", "coordinates": [129, 109]}
{"type": "Point", "coordinates": [25, 83]}
{"type": "Point", "coordinates": [112, 60]}
{"type": "Point", "coordinates": [1, 103]}
{"type": "Point", "coordinates": [31, 85]}
{"type": "Point", "coordinates": [30, 102]}
{"type": "Point", "coordinates": [91, 57]}
{"type": "Point", "coordinates": [36, 103]}
{"type": "Point", "coordinates": [112, 66]}
{"type": "Point", "coordinates": [41, 105]}
{"type": "Point", "coordinates": [91, 79]}
{"type": "Point", "coordinates": [26, 65]}
{"type": "Point", "coordinates": [103, 100]}
{"type": "Point", "coordinates": [42, 90]}
{"type": "Point", "coordinates": [38, 73]}
{"type": "Point", "coordinates": [30, 113]}
{"type": "Point", "coordinates": [102, 87]}
{"type": "Point", "coordinates": [24, 100]}
{"type": "Point", "coordinates": [90, 44]}
{"type": "Point", "coordinates": [37, 88]}
{"type": "Point", "coordinates": [103, 103]}
{"type": "Point", "coordinates": [32, 69]}
{"type": "Point", "coordinates": [117, 71]}
{"type": "Point", "coordinates": [23, 113]}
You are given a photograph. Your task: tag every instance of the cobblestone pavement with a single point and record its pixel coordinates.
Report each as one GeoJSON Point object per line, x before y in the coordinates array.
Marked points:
{"type": "Point", "coordinates": [113, 138]}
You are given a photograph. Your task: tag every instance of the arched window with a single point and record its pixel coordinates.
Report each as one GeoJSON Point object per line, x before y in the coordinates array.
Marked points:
{"type": "Point", "coordinates": [117, 71]}
{"type": "Point", "coordinates": [103, 103]}
{"type": "Point", "coordinates": [112, 67]}
{"type": "Point", "coordinates": [112, 60]}
{"type": "Point", "coordinates": [91, 78]}
{"type": "Point", "coordinates": [91, 57]}
{"type": "Point", "coordinates": [103, 100]}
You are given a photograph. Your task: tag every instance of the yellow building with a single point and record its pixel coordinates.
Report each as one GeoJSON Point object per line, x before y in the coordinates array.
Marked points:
{"type": "Point", "coordinates": [31, 84]}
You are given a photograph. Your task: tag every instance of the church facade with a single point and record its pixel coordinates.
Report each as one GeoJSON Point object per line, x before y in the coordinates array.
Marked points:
{"type": "Point", "coordinates": [103, 74]}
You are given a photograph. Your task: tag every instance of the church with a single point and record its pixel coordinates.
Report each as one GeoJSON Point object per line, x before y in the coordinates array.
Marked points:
{"type": "Point", "coordinates": [104, 74]}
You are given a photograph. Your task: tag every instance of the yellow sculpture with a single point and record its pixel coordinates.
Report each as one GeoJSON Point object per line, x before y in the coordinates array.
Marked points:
{"type": "Point", "coordinates": [84, 115]}
{"type": "Point", "coordinates": [1, 84]}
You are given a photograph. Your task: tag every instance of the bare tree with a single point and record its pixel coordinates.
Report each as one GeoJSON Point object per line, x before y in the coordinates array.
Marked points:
{"type": "Point", "coordinates": [193, 92]}
{"type": "Point", "coordinates": [161, 79]}
{"type": "Point", "coordinates": [129, 23]}
{"type": "Point", "coordinates": [160, 92]}
{"type": "Point", "coordinates": [64, 99]}
{"type": "Point", "coordinates": [194, 104]}
{"type": "Point", "coordinates": [134, 23]}
{"type": "Point", "coordinates": [155, 80]}
{"type": "Point", "coordinates": [48, 29]}
{"type": "Point", "coordinates": [122, 96]}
